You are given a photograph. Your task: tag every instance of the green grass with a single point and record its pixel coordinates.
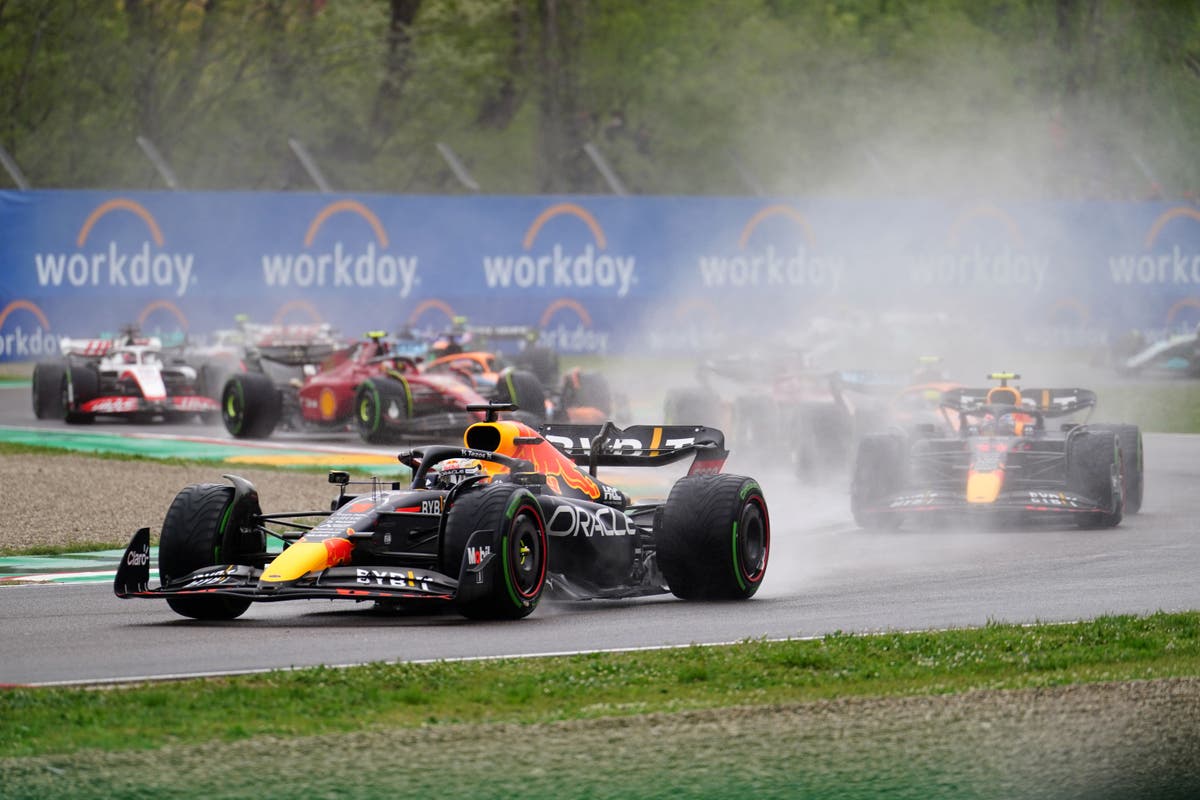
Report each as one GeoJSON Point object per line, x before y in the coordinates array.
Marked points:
{"type": "Point", "coordinates": [40, 721]}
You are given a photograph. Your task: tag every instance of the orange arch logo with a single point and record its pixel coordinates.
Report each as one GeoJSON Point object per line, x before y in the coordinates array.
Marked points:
{"type": "Point", "coordinates": [120, 204]}
{"type": "Point", "coordinates": [565, 303]}
{"type": "Point", "coordinates": [770, 212]}
{"type": "Point", "coordinates": [1165, 219]}
{"type": "Point", "coordinates": [565, 209]}
{"type": "Point", "coordinates": [986, 212]}
{"type": "Point", "coordinates": [297, 306]}
{"type": "Point", "coordinates": [346, 207]}
{"type": "Point", "coordinates": [24, 305]}
{"type": "Point", "coordinates": [1174, 311]}
{"type": "Point", "coordinates": [163, 305]}
{"type": "Point", "coordinates": [431, 304]}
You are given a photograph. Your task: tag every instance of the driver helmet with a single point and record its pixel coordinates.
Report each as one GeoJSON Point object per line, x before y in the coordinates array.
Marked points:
{"type": "Point", "coordinates": [454, 471]}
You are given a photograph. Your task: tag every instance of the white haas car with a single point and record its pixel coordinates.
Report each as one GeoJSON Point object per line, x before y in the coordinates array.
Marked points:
{"type": "Point", "coordinates": [130, 377]}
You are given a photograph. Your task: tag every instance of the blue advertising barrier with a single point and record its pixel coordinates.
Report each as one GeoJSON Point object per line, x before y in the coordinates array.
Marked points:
{"type": "Point", "coordinates": [595, 274]}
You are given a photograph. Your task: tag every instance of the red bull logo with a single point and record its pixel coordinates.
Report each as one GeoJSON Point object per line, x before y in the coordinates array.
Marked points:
{"type": "Point", "coordinates": [119, 245]}
{"type": "Point", "coordinates": [18, 343]}
{"type": "Point", "coordinates": [338, 266]}
{"type": "Point", "coordinates": [984, 249]}
{"type": "Point", "coordinates": [1154, 266]}
{"type": "Point", "coordinates": [559, 266]}
{"type": "Point", "coordinates": [781, 254]}
{"type": "Point", "coordinates": [559, 334]}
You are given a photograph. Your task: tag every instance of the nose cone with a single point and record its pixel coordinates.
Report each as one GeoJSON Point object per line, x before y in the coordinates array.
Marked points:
{"type": "Point", "coordinates": [984, 487]}
{"type": "Point", "coordinates": [305, 557]}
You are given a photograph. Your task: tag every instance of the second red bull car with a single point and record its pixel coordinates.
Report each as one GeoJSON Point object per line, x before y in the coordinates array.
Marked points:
{"type": "Point", "coordinates": [1000, 457]}
{"type": "Point", "coordinates": [486, 528]}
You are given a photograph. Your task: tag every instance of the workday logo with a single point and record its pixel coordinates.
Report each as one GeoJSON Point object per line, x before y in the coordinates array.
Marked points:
{"type": "Point", "coordinates": [372, 265]}
{"type": "Point", "coordinates": [1155, 265]}
{"type": "Point", "coordinates": [984, 249]}
{"type": "Point", "coordinates": [561, 266]}
{"type": "Point", "coordinates": [775, 257]}
{"type": "Point", "coordinates": [567, 326]}
{"type": "Point", "coordinates": [127, 259]}
{"type": "Point", "coordinates": [21, 343]}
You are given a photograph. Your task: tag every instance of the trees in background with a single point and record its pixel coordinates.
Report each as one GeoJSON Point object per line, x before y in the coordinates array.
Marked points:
{"type": "Point", "coordinates": [1058, 98]}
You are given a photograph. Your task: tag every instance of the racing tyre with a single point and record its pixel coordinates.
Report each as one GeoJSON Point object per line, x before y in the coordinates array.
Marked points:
{"type": "Point", "coordinates": [1094, 470]}
{"type": "Point", "coordinates": [381, 405]}
{"type": "Point", "coordinates": [46, 389]}
{"type": "Point", "coordinates": [714, 537]}
{"type": "Point", "coordinates": [79, 385]}
{"type": "Point", "coordinates": [692, 406]}
{"type": "Point", "coordinates": [1130, 439]}
{"type": "Point", "coordinates": [519, 548]}
{"type": "Point", "coordinates": [251, 405]}
{"type": "Point", "coordinates": [541, 361]}
{"type": "Point", "coordinates": [522, 389]}
{"type": "Point", "coordinates": [203, 528]}
{"type": "Point", "coordinates": [879, 471]}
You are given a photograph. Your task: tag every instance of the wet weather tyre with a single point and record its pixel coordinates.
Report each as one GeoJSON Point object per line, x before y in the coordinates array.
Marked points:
{"type": "Point", "coordinates": [522, 389]}
{"type": "Point", "coordinates": [1094, 470]}
{"type": "Point", "coordinates": [692, 406]}
{"type": "Point", "coordinates": [251, 405]}
{"type": "Point", "coordinates": [204, 528]}
{"type": "Point", "coordinates": [519, 550]}
{"type": "Point", "coordinates": [713, 538]}
{"type": "Point", "coordinates": [1130, 439]}
{"type": "Point", "coordinates": [381, 407]}
{"type": "Point", "coordinates": [541, 361]}
{"type": "Point", "coordinates": [46, 389]}
{"type": "Point", "coordinates": [80, 385]}
{"type": "Point", "coordinates": [879, 472]}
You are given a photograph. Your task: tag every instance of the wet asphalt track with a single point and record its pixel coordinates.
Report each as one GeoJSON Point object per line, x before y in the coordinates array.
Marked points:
{"type": "Point", "coordinates": [824, 576]}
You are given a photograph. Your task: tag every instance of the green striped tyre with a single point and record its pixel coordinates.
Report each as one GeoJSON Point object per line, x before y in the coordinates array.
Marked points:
{"type": "Point", "coordinates": [524, 390]}
{"type": "Point", "coordinates": [519, 546]}
{"type": "Point", "coordinates": [204, 527]}
{"type": "Point", "coordinates": [1130, 439]}
{"type": "Point", "coordinates": [381, 407]}
{"type": "Point", "coordinates": [1095, 470]}
{"type": "Point", "coordinates": [80, 384]}
{"type": "Point", "coordinates": [251, 405]}
{"type": "Point", "coordinates": [714, 537]}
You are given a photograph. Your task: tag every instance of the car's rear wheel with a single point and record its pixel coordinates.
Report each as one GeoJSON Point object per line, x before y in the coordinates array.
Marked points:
{"type": "Point", "coordinates": [713, 538]}
{"type": "Point", "coordinates": [203, 527]}
{"type": "Point", "coordinates": [381, 407]}
{"type": "Point", "coordinates": [251, 405]}
{"type": "Point", "coordinates": [522, 389]}
{"type": "Point", "coordinates": [46, 390]}
{"type": "Point", "coordinates": [879, 472]}
{"type": "Point", "coordinates": [519, 545]}
{"type": "Point", "coordinates": [1093, 456]}
{"type": "Point", "coordinates": [585, 389]}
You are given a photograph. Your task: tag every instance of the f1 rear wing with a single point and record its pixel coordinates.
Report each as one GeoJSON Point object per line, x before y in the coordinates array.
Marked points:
{"type": "Point", "coordinates": [1049, 402]}
{"type": "Point", "coordinates": [639, 445]}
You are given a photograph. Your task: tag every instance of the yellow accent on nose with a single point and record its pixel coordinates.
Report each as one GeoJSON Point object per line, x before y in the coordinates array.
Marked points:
{"type": "Point", "coordinates": [296, 561]}
{"type": "Point", "coordinates": [984, 487]}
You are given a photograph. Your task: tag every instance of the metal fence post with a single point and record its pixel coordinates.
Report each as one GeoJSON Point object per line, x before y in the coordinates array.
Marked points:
{"type": "Point", "coordinates": [310, 166]}
{"type": "Point", "coordinates": [160, 163]}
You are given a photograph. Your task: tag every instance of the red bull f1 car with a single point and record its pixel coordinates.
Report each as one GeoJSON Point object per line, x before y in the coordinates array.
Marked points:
{"type": "Point", "coordinates": [486, 528]}
{"type": "Point", "coordinates": [1001, 456]}
{"type": "Point", "coordinates": [130, 376]}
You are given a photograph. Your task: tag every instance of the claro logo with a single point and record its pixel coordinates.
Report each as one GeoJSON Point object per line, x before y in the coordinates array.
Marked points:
{"type": "Point", "coordinates": [1178, 266]}
{"type": "Point", "coordinates": [338, 265]}
{"type": "Point", "coordinates": [19, 344]}
{"type": "Point", "coordinates": [774, 257]}
{"type": "Point", "coordinates": [124, 260]}
{"type": "Point", "coordinates": [561, 267]}
{"type": "Point", "coordinates": [1004, 261]}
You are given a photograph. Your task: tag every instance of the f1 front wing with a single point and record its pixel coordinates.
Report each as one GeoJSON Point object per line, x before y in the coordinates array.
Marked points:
{"type": "Point", "coordinates": [359, 582]}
